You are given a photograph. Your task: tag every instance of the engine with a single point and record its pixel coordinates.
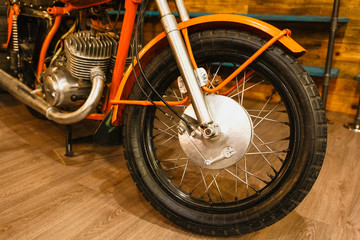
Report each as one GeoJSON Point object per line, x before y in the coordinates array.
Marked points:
{"type": "Point", "coordinates": [68, 80]}
{"type": "Point", "coordinates": [85, 51]}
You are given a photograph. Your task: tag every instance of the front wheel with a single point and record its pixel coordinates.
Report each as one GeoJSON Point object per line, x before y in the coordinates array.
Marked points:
{"type": "Point", "coordinates": [269, 151]}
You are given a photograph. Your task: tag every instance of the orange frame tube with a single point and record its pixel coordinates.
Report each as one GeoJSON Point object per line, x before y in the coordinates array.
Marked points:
{"type": "Point", "coordinates": [148, 103]}
{"type": "Point", "coordinates": [248, 74]}
{"type": "Point", "coordinates": [46, 44]}
{"type": "Point", "coordinates": [188, 47]}
{"type": "Point", "coordinates": [247, 62]}
{"type": "Point", "coordinates": [123, 47]}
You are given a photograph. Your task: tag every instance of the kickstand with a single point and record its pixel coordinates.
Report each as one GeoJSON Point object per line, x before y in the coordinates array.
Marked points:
{"type": "Point", "coordinates": [68, 141]}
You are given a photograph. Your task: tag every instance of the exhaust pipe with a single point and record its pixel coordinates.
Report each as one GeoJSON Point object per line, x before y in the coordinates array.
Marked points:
{"type": "Point", "coordinates": [24, 94]}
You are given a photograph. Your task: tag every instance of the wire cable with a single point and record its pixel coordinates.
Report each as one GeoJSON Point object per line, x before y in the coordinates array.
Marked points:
{"type": "Point", "coordinates": [135, 44]}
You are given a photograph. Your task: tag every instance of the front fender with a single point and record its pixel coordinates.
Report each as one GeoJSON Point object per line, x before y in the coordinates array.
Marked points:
{"type": "Point", "coordinates": [208, 22]}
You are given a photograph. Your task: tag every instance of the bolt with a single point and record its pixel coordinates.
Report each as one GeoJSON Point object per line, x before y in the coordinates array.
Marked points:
{"type": "Point", "coordinates": [181, 130]}
{"type": "Point", "coordinates": [227, 154]}
{"type": "Point", "coordinates": [208, 132]}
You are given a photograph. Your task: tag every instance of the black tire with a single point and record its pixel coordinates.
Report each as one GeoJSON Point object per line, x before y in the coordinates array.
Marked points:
{"type": "Point", "coordinates": [289, 124]}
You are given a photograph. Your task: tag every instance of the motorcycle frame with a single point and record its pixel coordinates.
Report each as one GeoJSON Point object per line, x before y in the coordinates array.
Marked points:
{"type": "Point", "coordinates": [177, 36]}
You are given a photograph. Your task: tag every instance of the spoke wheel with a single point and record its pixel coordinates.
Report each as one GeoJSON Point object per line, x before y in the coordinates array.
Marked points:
{"type": "Point", "coordinates": [278, 164]}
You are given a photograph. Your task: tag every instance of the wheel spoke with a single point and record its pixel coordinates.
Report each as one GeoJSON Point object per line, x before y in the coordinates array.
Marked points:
{"type": "Point", "coordinates": [246, 176]}
{"type": "Point", "coordinates": [263, 108]}
{"type": "Point", "coordinates": [211, 183]}
{"type": "Point", "coordinates": [172, 159]}
{"type": "Point", "coordinates": [177, 97]}
{"type": "Point", "coordinates": [167, 126]}
{"type": "Point", "coordinates": [262, 118]}
{"type": "Point", "coordinates": [252, 86]}
{"type": "Point", "coordinates": [275, 141]}
{"type": "Point", "coordinates": [236, 181]}
{"type": "Point", "coordinates": [164, 131]}
{"type": "Point", "coordinates": [196, 186]}
{"type": "Point", "coordinates": [261, 153]}
{"type": "Point", "coordinates": [263, 156]}
{"type": "Point", "coordinates": [167, 140]}
{"type": "Point", "coordinates": [267, 146]}
{"type": "Point", "coordinates": [238, 178]}
{"type": "Point", "coordinates": [215, 75]}
{"type": "Point", "coordinates": [183, 175]}
{"type": "Point", "coordinates": [269, 119]}
{"type": "Point", "coordinates": [237, 86]}
{"type": "Point", "coordinates": [176, 162]}
{"type": "Point", "coordinates": [237, 89]}
{"type": "Point", "coordinates": [252, 175]}
{"type": "Point", "coordinates": [206, 188]}
{"type": "Point", "coordinates": [217, 186]}
{"type": "Point", "coordinates": [178, 166]}
{"type": "Point", "coordinates": [243, 88]}
{"type": "Point", "coordinates": [242, 85]}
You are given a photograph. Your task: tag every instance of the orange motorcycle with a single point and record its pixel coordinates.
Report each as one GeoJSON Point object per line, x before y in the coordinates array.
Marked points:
{"type": "Point", "coordinates": [224, 131]}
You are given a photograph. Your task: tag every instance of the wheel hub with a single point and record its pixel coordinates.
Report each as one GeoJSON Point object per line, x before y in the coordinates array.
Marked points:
{"type": "Point", "coordinates": [235, 132]}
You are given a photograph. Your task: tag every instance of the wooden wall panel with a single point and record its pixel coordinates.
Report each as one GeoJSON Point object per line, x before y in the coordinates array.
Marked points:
{"type": "Point", "coordinates": [216, 6]}
{"type": "Point", "coordinates": [344, 91]}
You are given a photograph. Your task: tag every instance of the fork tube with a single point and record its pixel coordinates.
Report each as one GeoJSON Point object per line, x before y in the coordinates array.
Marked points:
{"type": "Point", "coordinates": [178, 47]}
{"type": "Point", "coordinates": [183, 13]}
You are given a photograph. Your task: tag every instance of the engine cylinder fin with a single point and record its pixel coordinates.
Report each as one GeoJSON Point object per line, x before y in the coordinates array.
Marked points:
{"type": "Point", "coordinates": [85, 51]}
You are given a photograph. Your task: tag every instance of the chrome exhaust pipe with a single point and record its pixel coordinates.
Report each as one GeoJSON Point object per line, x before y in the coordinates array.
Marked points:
{"type": "Point", "coordinates": [24, 94]}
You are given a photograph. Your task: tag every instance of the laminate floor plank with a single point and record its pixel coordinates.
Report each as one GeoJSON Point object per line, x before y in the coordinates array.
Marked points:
{"type": "Point", "coordinates": [337, 187]}
{"type": "Point", "coordinates": [43, 196]}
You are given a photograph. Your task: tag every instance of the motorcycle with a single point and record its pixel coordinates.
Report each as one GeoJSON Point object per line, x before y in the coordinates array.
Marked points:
{"type": "Point", "coordinates": [224, 131]}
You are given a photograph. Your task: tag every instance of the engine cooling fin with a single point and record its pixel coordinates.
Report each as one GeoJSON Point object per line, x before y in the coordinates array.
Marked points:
{"type": "Point", "coordinates": [84, 51]}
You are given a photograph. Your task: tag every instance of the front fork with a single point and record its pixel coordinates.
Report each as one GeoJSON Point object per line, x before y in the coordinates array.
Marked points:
{"type": "Point", "coordinates": [182, 58]}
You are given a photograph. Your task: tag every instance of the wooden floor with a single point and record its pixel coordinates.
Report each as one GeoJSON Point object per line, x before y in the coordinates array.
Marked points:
{"type": "Point", "coordinates": [92, 196]}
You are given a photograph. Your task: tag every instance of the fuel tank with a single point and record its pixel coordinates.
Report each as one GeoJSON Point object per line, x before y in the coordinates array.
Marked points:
{"type": "Point", "coordinates": [84, 3]}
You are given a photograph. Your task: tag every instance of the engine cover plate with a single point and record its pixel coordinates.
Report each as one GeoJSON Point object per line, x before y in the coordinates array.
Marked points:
{"type": "Point", "coordinates": [62, 90]}
{"type": "Point", "coordinates": [234, 139]}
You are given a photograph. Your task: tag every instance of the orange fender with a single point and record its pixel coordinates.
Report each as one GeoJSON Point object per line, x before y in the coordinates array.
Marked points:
{"type": "Point", "coordinates": [208, 22]}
